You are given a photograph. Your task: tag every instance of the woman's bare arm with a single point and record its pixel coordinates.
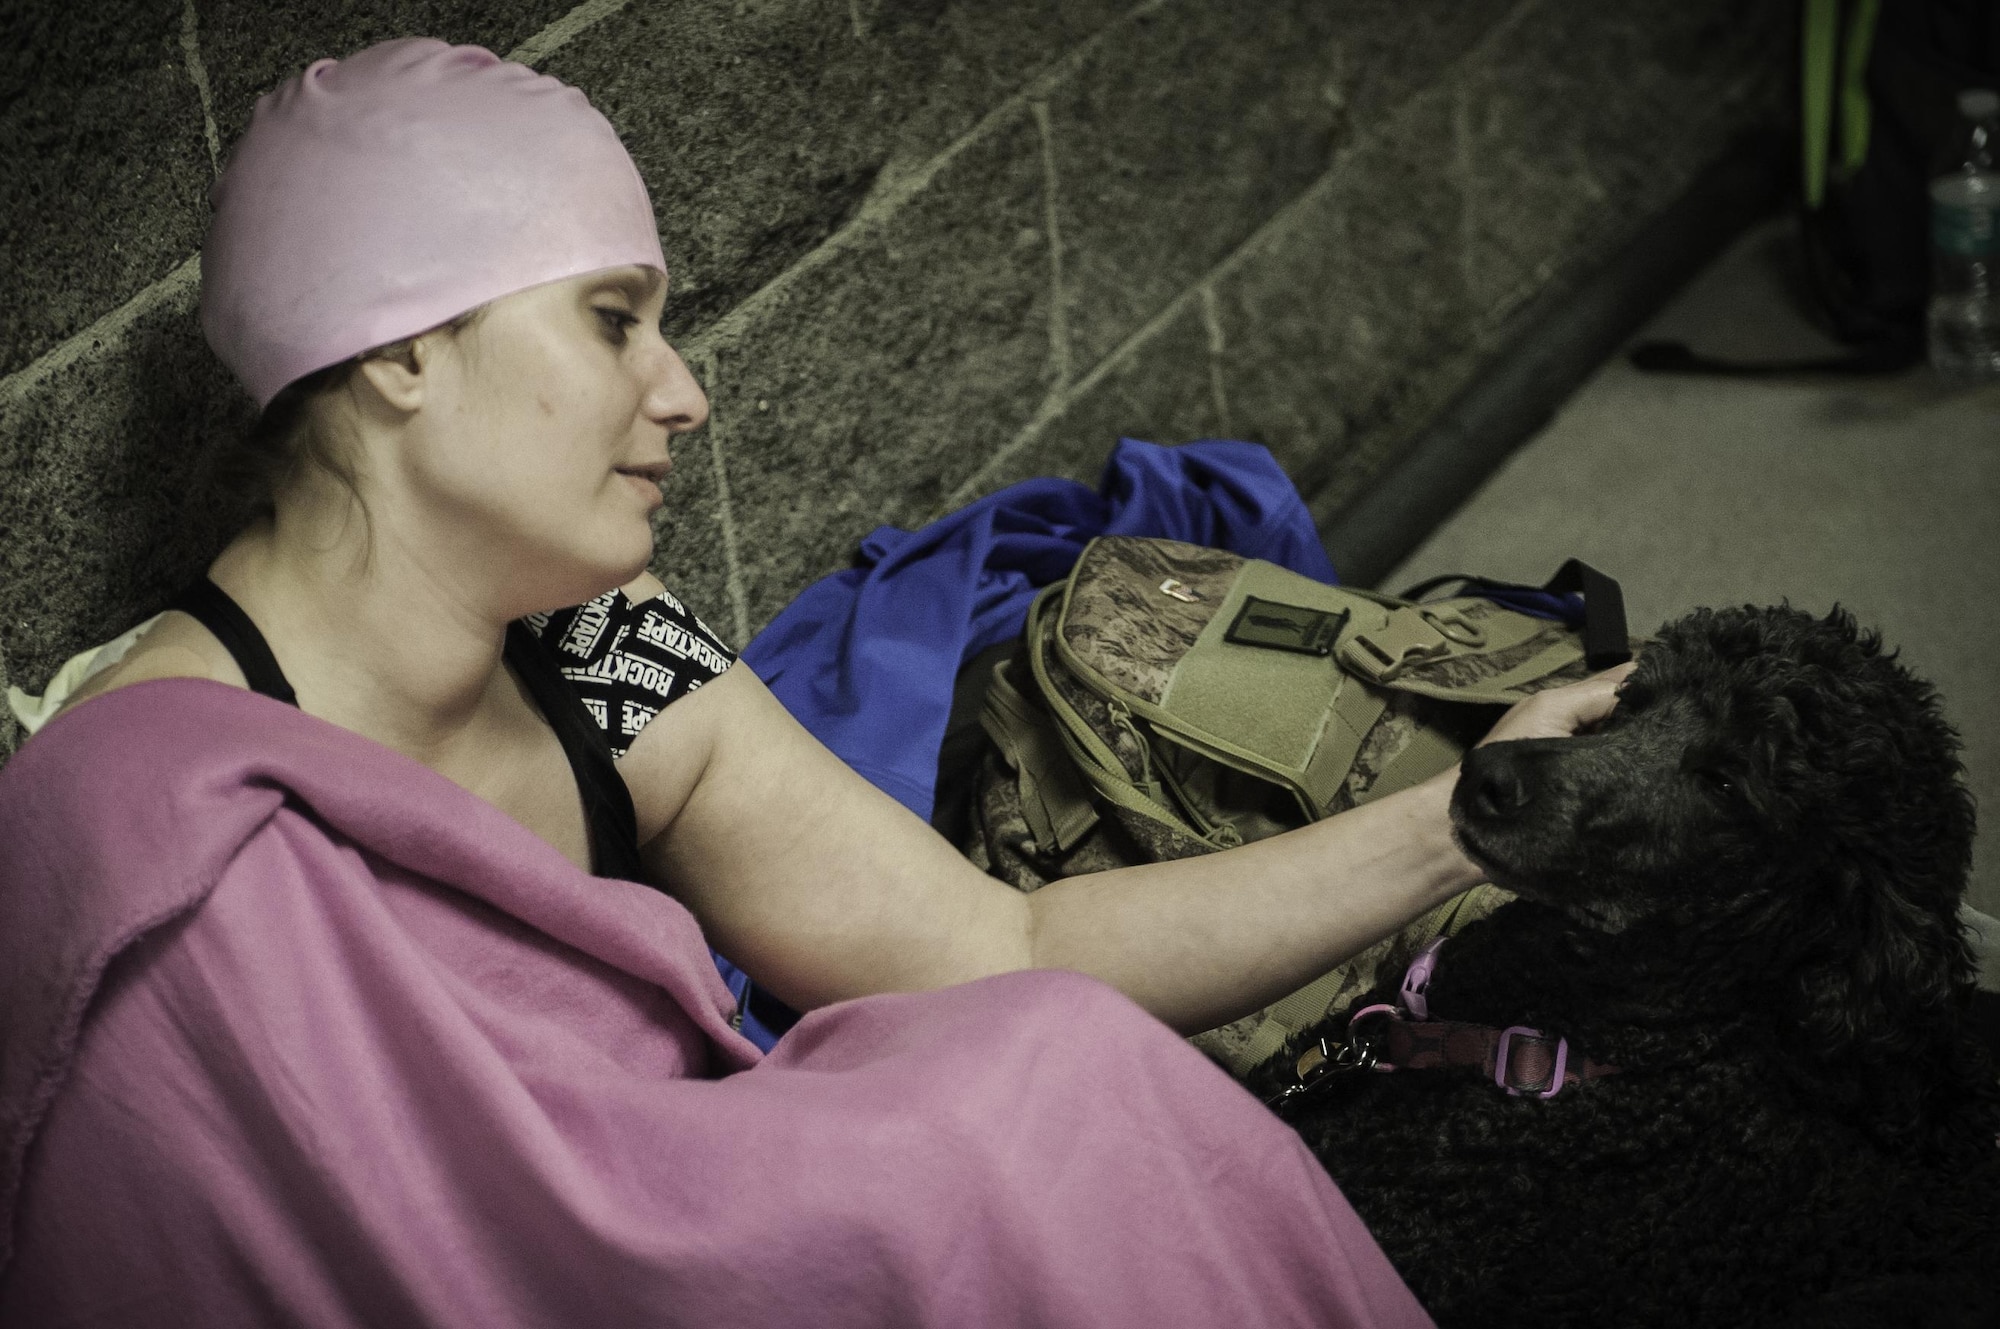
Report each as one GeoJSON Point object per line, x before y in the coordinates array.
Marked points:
{"type": "Point", "coordinates": [825, 888]}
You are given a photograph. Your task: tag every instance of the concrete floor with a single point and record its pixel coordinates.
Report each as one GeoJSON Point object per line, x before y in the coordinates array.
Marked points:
{"type": "Point", "coordinates": [1879, 494]}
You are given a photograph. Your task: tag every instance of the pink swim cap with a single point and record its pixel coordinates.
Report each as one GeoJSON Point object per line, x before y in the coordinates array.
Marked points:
{"type": "Point", "coordinates": [378, 196]}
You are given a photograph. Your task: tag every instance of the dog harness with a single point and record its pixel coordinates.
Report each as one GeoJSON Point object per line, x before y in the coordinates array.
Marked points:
{"type": "Point", "coordinates": [1403, 1037]}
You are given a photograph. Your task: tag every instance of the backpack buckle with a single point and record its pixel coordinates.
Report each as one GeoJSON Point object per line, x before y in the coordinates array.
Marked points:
{"type": "Point", "coordinates": [1380, 654]}
{"type": "Point", "coordinates": [1455, 626]}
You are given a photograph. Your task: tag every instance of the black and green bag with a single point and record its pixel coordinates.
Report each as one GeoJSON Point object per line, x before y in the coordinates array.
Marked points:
{"type": "Point", "coordinates": [1168, 700]}
{"type": "Point", "coordinates": [1878, 120]}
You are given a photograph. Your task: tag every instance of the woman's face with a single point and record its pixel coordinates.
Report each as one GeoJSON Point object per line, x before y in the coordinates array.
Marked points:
{"type": "Point", "coordinates": [544, 434]}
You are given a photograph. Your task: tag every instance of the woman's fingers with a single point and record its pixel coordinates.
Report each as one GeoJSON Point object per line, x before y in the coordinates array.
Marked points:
{"type": "Point", "coordinates": [1561, 712]}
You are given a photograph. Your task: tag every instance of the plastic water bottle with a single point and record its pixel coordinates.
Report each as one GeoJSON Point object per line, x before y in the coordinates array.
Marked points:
{"type": "Point", "coordinates": [1965, 248]}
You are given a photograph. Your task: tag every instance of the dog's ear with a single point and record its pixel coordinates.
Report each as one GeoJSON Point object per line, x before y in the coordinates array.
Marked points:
{"type": "Point", "coordinates": [1878, 1003]}
{"type": "Point", "coordinates": [1886, 969]}
{"type": "Point", "coordinates": [1880, 862]}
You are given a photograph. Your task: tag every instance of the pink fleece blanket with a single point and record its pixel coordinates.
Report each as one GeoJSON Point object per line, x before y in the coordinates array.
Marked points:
{"type": "Point", "coordinates": [293, 1030]}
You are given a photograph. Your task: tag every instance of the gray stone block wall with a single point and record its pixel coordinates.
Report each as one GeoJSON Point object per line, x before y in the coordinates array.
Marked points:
{"type": "Point", "coordinates": [920, 248]}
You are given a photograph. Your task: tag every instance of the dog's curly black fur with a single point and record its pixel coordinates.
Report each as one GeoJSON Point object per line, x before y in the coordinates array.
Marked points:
{"type": "Point", "coordinates": [1741, 891]}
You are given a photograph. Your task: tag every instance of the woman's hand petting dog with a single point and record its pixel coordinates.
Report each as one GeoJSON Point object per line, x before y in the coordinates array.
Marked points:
{"type": "Point", "coordinates": [1564, 711]}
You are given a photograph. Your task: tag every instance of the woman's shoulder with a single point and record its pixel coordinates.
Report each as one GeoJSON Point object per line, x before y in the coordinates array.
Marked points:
{"type": "Point", "coordinates": [643, 602]}
{"type": "Point", "coordinates": [170, 645]}
{"type": "Point", "coordinates": [645, 586]}
{"type": "Point", "coordinates": [630, 653]}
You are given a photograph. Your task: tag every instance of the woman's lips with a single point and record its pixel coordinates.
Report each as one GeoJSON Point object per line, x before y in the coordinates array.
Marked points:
{"type": "Point", "coordinates": [647, 484]}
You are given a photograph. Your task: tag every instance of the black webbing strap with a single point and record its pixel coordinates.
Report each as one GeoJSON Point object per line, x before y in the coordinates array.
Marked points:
{"type": "Point", "coordinates": [1605, 639]}
{"type": "Point", "coordinates": [209, 605]}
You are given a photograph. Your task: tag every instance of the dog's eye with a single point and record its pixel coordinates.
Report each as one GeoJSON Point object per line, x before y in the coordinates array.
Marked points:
{"type": "Point", "coordinates": [1717, 783]}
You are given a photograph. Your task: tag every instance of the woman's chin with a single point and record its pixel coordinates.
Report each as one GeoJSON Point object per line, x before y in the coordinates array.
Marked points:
{"type": "Point", "coordinates": [626, 546]}
{"type": "Point", "coordinates": [637, 560]}
{"type": "Point", "coordinates": [580, 576]}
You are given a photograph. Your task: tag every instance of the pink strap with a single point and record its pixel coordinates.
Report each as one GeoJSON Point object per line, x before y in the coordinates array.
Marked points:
{"type": "Point", "coordinates": [1519, 1059]}
{"type": "Point", "coordinates": [1417, 979]}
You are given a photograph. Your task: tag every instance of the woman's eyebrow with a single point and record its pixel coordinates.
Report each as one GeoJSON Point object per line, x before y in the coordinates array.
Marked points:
{"type": "Point", "coordinates": [635, 285]}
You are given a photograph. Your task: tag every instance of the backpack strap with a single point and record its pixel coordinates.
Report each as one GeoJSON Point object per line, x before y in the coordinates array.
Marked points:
{"type": "Point", "coordinates": [1605, 634]}
{"type": "Point", "coordinates": [1464, 650]}
{"type": "Point", "coordinates": [1427, 753]}
{"type": "Point", "coordinates": [1094, 759]}
{"type": "Point", "coordinates": [1354, 713]}
{"type": "Point", "coordinates": [1055, 801]}
{"type": "Point", "coordinates": [1605, 639]}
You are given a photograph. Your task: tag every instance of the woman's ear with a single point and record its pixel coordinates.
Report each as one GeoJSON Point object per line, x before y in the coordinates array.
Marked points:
{"type": "Point", "coordinates": [395, 377]}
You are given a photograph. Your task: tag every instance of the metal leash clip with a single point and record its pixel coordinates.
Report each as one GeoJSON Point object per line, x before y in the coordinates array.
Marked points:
{"type": "Point", "coordinates": [1318, 1062]}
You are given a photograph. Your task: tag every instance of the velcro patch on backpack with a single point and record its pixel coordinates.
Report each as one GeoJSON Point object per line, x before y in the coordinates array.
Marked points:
{"type": "Point", "coordinates": [1283, 627]}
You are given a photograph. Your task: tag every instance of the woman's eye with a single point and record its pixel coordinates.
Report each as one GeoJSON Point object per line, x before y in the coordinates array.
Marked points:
{"type": "Point", "coordinates": [616, 321]}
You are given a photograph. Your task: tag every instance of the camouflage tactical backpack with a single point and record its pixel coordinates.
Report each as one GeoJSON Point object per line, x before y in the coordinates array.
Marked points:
{"type": "Point", "coordinates": [1170, 700]}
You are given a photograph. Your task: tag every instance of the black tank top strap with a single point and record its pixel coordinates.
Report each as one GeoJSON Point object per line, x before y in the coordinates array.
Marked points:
{"type": "Point", "coordinates": [211, 606]}
{"type": "Point", "coordinates": [607, 803]}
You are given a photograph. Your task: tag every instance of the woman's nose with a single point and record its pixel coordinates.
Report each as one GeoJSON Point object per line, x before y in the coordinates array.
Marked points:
{"type": "Point", "coordinates": [676, 400]}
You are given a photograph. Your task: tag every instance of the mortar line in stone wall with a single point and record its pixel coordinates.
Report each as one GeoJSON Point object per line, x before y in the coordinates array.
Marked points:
{"type": "Point", "coordinates": [1461, 125]}
{"type": "Point", "coordinates": [106, 332]}
{"type": "Point", "coordinates": [725, 511]}
{"type": "Point", "coordinates": [564, 30]}
{"type": "Point", "coordinates": [197, 72]}
{"type": "Point", "coordinates": [1462, 165]}
{"type": "Point", "coordinates": [1211, 319]}
{"type": "Point", "coordinates": [1058, 311]}
{"type": "Point", "coordinates": [1056, 403]}
{"type": "Point", "coordinates": [888, 200]}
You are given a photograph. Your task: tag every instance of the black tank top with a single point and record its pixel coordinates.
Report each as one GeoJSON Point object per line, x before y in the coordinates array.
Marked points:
{"type": "Point", "coordinates": [607, 804]}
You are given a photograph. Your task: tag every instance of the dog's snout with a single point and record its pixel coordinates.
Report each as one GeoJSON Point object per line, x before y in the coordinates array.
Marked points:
{"type": "Point", "coordinates": [1494, 787]}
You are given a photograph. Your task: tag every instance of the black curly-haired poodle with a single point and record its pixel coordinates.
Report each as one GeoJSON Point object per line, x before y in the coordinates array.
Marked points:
{"type": "Point", "coordinates": [1738, 910]}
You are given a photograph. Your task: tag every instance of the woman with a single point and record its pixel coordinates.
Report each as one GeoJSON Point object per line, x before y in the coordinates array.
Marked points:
{"type": "Point", "coordinates": [364, 1044]}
